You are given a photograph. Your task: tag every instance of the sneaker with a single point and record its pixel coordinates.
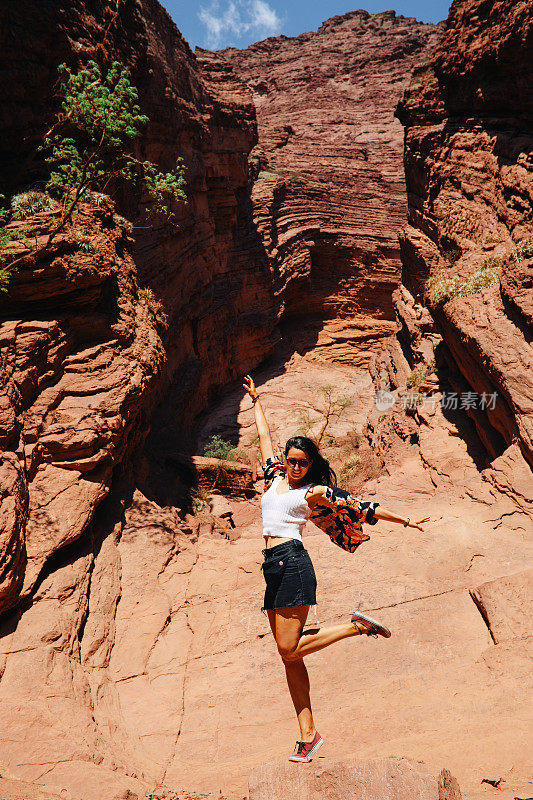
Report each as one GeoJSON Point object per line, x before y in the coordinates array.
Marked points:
{"type": "Point", "coordinates": [304, 751]}
{"type": "Point", "coordinates": [369, 626]}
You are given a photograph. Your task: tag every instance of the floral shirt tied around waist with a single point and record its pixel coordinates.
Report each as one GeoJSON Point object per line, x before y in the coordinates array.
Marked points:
{"type": "Point", "coordinates": [338, 514]}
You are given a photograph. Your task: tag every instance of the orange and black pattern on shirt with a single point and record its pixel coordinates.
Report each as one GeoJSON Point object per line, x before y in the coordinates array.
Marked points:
{"type": "Point", "coordinates": [338, 514]}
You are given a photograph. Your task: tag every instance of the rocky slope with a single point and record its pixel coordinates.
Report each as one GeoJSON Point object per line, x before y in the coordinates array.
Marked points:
{"type": "Point", "coordinates": [329, 194]}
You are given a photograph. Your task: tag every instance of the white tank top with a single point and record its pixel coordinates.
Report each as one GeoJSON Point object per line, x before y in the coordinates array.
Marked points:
{"type": "Point", "coordinates": [285, 515]}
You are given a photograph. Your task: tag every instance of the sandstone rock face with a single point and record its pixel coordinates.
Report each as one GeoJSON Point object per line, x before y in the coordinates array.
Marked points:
{"type": "Point", "coordinates": [209, 269]}
{"type": "Point", "coordinates": [504, 605]}
{"type": "Point", "coordinates": [138, 664]}
{"type": "Point", "coordinates": [329, 193]}
{"type": "Point", "coordinates": [78, 380]}
{"type": "Point", "coordinates": [86, 355]}
{"type": "Point", "coordinates": [352, 779]}
{"type": "Point", "coordinates": [86, 359]}
{"type": "Point", "coordinates": [467, 117]}
{"type": "Point", "coordinates": [148, 645]}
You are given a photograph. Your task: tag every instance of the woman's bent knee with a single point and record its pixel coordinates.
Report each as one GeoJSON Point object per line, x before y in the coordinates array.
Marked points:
{"type": "Point", "coordinates": [288, 655]}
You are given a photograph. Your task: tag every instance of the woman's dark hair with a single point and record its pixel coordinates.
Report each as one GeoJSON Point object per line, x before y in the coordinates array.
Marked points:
{"type": "Point", "coordinates": [320, 471]}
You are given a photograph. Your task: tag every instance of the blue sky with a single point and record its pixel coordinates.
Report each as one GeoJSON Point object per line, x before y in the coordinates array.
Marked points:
{"type": "Point", "coordinates": [238, 23]}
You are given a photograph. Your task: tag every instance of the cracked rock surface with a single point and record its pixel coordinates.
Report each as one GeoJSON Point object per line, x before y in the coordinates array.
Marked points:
{"type": "Point", "coordinates": [149, 642]}
{"type": "Point", "coordinates": [136, 663]}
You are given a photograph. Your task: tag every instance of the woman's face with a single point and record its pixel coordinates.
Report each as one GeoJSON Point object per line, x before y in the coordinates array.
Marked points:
{"type": "Point", "coordinates": [298, 464]}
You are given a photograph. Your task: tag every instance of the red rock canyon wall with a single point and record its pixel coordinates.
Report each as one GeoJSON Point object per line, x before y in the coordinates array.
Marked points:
{"type": "Point", "coordinates": [468, 121]}
{"type": "Point", "coordinates": [74, 325]}
{"type": "Point", "coordinates": [220, 286]}
{"type": "Point", "coordinates": [329, 194]}
{"type": "Point", "coordinates": [138, 638]}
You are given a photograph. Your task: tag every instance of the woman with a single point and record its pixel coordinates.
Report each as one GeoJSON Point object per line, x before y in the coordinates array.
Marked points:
{"type": "Point", "coordinates": [300, 490]}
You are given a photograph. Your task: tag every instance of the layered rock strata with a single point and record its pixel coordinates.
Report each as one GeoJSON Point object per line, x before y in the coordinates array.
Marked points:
{"type": "Point", "coordinates": [467, 117]}
{"type": "Point", "coordinates": [207, 268]}
{"type": "Point", "coordinates": [141, 640]}
{"type": "Point", "coordinates": [463, 351]}
{"type": "Point", "coordinates": [329, 194]}
{"type": "Point", "coordinates": [78, 378]}
{"type": "Point", "coordinates": [208, 276]}
{"type": "Point", "coordinates": [83, 365]}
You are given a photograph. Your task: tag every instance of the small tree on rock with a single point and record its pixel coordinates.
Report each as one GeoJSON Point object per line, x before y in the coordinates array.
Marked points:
{"type": "Point", "coordinates": [90, 146]}
{"type": "Point", "coordinates": [328, 405]}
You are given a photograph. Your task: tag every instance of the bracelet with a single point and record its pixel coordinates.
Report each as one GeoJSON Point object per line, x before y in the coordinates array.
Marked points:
{"type": "Point", "coordinates": [255, 399]}
{"type": "Point", "coordinates": [407, 523]}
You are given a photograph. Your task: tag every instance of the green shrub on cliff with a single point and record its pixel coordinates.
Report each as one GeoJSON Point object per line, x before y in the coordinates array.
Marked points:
{"type": "Point", "coordinates": [90, 150]}
{"type": "Point", "coordinates": [31, 202]}
{"type": "Point", "coordinates": [487, 275]}
{"type": "Point", "coordinates": [523, 249]}
{"type": "Point", "coordinates": [8, 237]}
{"type": "Point", "coordinates": [90, 145]}
{"type": "Point", "coordinates": [5, 275]}
{"type": "Point", "coordinates": [419, 374]}
{"type": "Point", "coordinates": [217, 447]}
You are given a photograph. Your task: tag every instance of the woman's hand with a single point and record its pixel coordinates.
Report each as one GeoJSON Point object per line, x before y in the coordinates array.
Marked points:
{"type": "Point", "coordinates": [314, 495]}
{"type": "Point", "coordinates": [249, 385]}
{"type": "Point", "coordinates": [390, 516]}
{"type": "Point", "coordinates": [418, 524]}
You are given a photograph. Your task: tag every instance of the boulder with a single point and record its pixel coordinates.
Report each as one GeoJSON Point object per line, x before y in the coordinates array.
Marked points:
{"type": "Point", "coordinates": [352, 779]}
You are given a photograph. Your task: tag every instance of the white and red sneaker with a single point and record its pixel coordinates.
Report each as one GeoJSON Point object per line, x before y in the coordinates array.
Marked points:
{"type": "Point", "coordinates": [304, 751]}
{"type": "Point", "coordinates": [369, 626]}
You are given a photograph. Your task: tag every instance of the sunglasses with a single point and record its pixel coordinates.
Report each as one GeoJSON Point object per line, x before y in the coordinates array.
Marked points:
{"type": "Point", "coordinates": [294, 462]}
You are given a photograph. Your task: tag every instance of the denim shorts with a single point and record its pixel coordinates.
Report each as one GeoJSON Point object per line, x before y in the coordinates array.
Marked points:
{"type": "Point", "coordinates": [289, 576]}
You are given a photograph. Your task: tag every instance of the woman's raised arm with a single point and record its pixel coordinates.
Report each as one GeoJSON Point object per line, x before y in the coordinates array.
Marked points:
{"type": "Point", "coordinates": [265, 442]}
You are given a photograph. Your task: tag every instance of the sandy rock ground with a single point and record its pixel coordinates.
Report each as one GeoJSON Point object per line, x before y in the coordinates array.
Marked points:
{"type": "Point", "coordinates": [158, 672]}
{"type": "Point", "coordinates": [386, 778]}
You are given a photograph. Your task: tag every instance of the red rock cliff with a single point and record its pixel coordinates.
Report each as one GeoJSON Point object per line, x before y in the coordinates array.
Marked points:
{"type": "Point", "coordinates": [468, 120]}
{"type": "Point", "coordinates": [139, 642]}
{"type": "Point", "coordinates": [220, 285]}
{"type": "Point", "coordinates": [329, 194]}
{"type": "Point", "coordinates": [78, 339]}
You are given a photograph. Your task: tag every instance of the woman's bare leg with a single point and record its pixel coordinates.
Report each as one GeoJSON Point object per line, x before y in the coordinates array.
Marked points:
{"type": "Point", "coordinates": [293, 643]}
{"type": "Point", "coordinates": [299, 688]}
{"type": "Point", "coordinates": [297, 677]}
{"type": "Point", "coordinates": [287, 626]}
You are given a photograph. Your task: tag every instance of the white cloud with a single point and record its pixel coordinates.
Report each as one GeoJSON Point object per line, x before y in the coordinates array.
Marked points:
{"type": "Point", "coordinates": [239, 18]}
{"type": "Point", "coordinates": [264, 16]}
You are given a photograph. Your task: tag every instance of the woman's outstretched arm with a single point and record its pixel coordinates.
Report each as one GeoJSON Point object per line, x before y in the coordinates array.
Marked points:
{"type": "Point", "coordinates": [389, 516]}
{"type": "Point", "coordinates": [316, 493]}
{"type": "Point", "coordinates": [265, 442]}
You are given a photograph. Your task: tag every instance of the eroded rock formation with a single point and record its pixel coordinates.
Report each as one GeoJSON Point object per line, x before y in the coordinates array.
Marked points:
{"type": "Point", "coordinates": [329, 194]}
{"type": "Point", "coordinates": [464, 314]}
{"type": "Point", "coordinates": [467, 118]}
{"type": "Point", "coordinates": [83, 364]}
{"type": "Point", "coordinates": [78, 375]}
{"type": "Point", "coordinates": [208, 268]}
{"type": "Point", "coordinates": [137, 664]}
